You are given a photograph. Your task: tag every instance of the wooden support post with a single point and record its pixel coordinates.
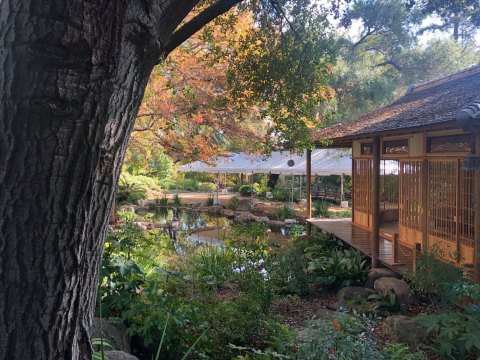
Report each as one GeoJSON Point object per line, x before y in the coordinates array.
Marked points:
{"type": "Point", "coordinates": [375, 201]}
{"type": "Point", "coordinates": [425, 206]}
{"type": "Point", "coordinates": [309, 190]}
{"type": "Point", "coordinates": [352, 193]}
{"type": "Point", "coordinates": [476, 256]}
{"type": "Point", "coordinates": [395, 248]}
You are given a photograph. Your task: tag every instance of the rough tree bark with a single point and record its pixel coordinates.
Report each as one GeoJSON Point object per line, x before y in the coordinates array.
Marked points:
{"type": "Point", "coordinates": [72, 76]}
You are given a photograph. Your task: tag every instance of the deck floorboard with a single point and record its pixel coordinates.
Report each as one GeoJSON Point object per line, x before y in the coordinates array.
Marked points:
{"type": "Point", "coordinates": [361, 239]}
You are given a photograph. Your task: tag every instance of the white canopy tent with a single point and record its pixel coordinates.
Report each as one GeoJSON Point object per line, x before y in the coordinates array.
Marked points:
{"type": "Point", "coordinates": [324, 162]}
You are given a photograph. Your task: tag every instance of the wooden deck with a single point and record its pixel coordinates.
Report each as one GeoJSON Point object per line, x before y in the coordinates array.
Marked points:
{"type": "Point", "coordinates": [361, 239]}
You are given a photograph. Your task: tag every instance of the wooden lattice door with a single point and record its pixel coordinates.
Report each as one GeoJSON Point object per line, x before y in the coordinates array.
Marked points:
{"type": "Point", "coordinates": [362, 177]}
{"type": "Point", "coordinates": [451, 215]}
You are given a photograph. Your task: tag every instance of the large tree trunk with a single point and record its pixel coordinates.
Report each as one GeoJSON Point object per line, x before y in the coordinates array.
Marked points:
{"type": "Point", "coordinates": [72, 76]}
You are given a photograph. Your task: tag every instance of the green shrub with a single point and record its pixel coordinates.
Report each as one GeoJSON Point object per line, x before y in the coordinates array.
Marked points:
{"type": "Point", "coordinates": [336, 268]}
{"type": "Point", "coordinates": [281, 194]}
{"type": "Point", "coordinates": [456, 334]}
{"type": "Point", "coordinates": [210, 200]}
{"type": "Point", "coordinates": [163, 202]}
{"type": "Point", "coordinates": [130, 192]}
{"type": "Point", "coordinates": [433, 276]}
{"type": "Point", "coordinates": [398, 351]}
{"type": "Point", "coordinates": [213, 265]}
{"type": "Point", "coordinates": [320, 208]}
{"type": "Point", "coordinates": [261, 187]}
{"type": "Point", "coordinates": [289, 275]}
{"type": "Point", "coordinates": [285, 212]}
{"type": "Point", "coordinates": [246, 190]}
{"type": "Point", "coordinates": [190, 185]}
{"type": "Point", "coordinates": [176, 200]}
{"type": "Point", "coordinates": [456, 327]}
{"type": "Point", "coordinates": [207, 186]}
{"type": "Point", "coordinates": [345, 337]}
{"type": "Point", "coordinates": [340, 214]}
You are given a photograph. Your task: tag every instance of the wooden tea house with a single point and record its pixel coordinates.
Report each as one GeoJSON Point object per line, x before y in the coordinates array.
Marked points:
{"type": "Point", "coordinates": [415, 175]}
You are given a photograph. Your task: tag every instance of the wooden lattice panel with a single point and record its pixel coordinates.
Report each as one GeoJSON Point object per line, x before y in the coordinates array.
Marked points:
{"type": "Point", "coordinates": [411, 175]}
{"type": "Point", "coordinates": [389, 170]}
{"type": "Point", "coordinates": [362, 173]}
{"type": "Point", "coordinates": [442, 183]}
{"type": "Point", "coordinates": [466, 216]}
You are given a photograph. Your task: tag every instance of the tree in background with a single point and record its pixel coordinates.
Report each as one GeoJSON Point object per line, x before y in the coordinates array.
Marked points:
{"type": "Point", "coordinates": [73, 76]}
{"type": "Point", "coordinates": [459, 17]}
{"type": "Point", "coordinates": [377, 66]}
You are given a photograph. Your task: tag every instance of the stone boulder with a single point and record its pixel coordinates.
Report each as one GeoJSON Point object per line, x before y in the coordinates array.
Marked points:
{"type": "Point", "coordinates": [377, 273]}
{"type": "Point", "coordinates": [385, 285]}
{"type": "Point", "coordinates": [262, 219]}
{"type": "Point", "coordinates": [290, 221]}
{"type": "Point", "coordinates": [130, 208]}
{"type": "Point", "coordinates": [244, 205]}
{"type": "Point", "coordinates": [215, 209]}
{"type": "Point", "coordinates": [243, 217]}
{"type": "Point", "coordinates": [119, 355]}
{"type": "Point", "coordinates": [276, 223]}
{"type": "Point", "coordinates": [350, 292]}
{"type": "Point", "coordinates": [114, 334]}
{"type": "Point", "coordinates": [228, 213]}
{"type": "Point", "coordinates": [405, 329]}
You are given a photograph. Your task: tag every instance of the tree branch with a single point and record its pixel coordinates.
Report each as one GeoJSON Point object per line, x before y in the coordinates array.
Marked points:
{"type": "Point", "coordinates": [392, 63]}
{"type": "Point", "coordinates": [196, 24]}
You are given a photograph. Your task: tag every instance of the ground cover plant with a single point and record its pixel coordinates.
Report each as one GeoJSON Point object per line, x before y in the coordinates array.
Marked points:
{"type": "Point", "coordinates": [230, 301]}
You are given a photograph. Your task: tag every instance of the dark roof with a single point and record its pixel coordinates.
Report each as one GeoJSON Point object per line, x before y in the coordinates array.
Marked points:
{"type": "Point", "coordinates": [435, 102]}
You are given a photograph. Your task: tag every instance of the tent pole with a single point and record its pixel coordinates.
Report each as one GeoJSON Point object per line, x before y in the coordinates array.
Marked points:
{"type": "Point", "coordinates": [341, 189]}
{"type": "Point", "coordinates": [251, 183]}
{"type": "Point", "coordinates": [291, 193]}
{"type": "Point", "coordinates": [300, 178]}
{"type": "Point", "coordinates": [309, 190]}
{"type": "Point", "coordinates": [218, 186]}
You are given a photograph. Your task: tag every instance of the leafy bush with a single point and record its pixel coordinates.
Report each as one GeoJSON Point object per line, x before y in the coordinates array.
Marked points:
{"type": "Point", "coordinates": [190, 184]}
{"type": "Point", "coordinates": [320, 208]}
{"type": "Point", "coordinates": [213, 265]}
{"type": "Point", "coordinates": [207, 297]}
{"type": "Point", "coordinates": [457, 335]}
{"type": "Point", "coordinates": [261, 188]}
{"type": "Point", "coordinates": [290, 273]}
{"type": "Point", "coordinates": [340, 214]}
{"type": "Point", "coordinates": [397, 351]}
{"type": "Point", "coordinates": [281, 194]}
{"type": "Point", "coordinates": [344, 337]}
{"type": "Point", "coordinates": [338, 268]}
{"type": "Point", "coordinates": [456, 328]}
{"type": "Point", "coordinates": [285, 212]}
{"type": "Point", "coordinates": [163, 202]}
{"type": "Point", "coordinates": [210, 200]}
{"type": "Point", "coordinates": [130, 192]}
{"type": "Point", "coordinates": [207, 186]}
{"type": "Point", "coordinates": [246, 190]}
{"type": "Point", "coordinates": [233, 203]}
{"type": "Point", "coordinates": [433, 276]}
{"type": "Point", "coordinates": [176, 200]}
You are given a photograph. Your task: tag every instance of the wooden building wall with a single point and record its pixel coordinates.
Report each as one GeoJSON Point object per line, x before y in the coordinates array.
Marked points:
{"type": "Point", "coordinates": [435, 203]}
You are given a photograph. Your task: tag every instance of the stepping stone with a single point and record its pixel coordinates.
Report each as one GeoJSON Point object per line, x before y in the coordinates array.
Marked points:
{"type": "Point", "coordinates": [377, 273]}
{"type": "Point", "coordinates": [385, 285]}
